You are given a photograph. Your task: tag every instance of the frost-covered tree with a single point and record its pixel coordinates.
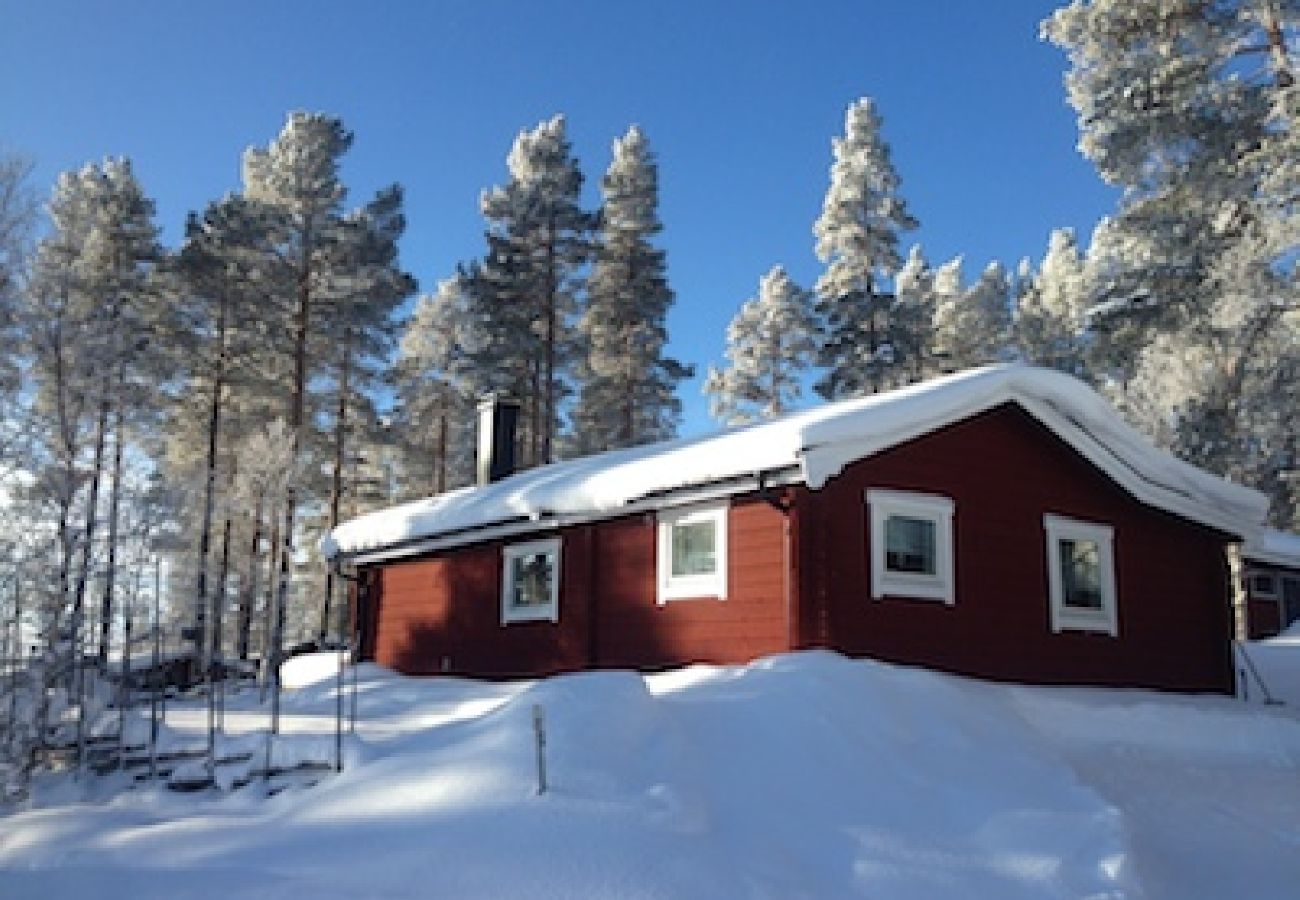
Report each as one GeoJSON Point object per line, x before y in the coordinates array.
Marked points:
{"type": "Point", "coordinates": [770, 344]}
{"type": "Point", "coordinates": [296, 185]}
{"type": "Point", "coordinates": [358, 337]}
{"type": "Point", "coordinates": [1190, 107]}
{"type": "Point", "coordinates": [628, 394]}
{"type": "Point", "coordinates": [914, 301]}
{"type": "Point", "coordinates": [971, 326]}
{"type": "Point", "coordinates": [434, 413]}
{"type": "Point", "coordinates": [17, 217]}
{"type": "Point", "coordinates": [1051, 307]}
{"type": "Point", "coordinates": [92, 313]}
{"type": "Point", "coordinates": [866, 339]}
{"type": "Point", "coordinates": [528, 286]}
{"type": "Point", "coordinates": [90, 316]}
{"type": "Point", "coordinates": [230, 309]}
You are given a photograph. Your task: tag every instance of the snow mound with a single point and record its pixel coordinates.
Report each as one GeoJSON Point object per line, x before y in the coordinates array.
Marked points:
{"type": "Point", "coordinates": [1271, 668]}
{"type": "Point", "coordinates": [802, 775]}
{"type": "Point", "coordinates": [309, 668]}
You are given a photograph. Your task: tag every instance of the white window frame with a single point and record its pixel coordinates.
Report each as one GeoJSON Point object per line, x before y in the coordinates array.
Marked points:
{"type": "Point", "coordinates": [931, 507]}
{"type": "Point", "coordinates": [691, 587]}
{"type": "Point", "coordinates": [543, 613]}
{"type": "Point", "coordinates": [1069, 618]}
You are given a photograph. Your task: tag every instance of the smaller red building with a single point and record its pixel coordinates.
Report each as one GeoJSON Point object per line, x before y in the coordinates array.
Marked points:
{"type": "Point", "coordinates": [1003, 523]}
{"type": "Point", "coordinates": [1270, 575]}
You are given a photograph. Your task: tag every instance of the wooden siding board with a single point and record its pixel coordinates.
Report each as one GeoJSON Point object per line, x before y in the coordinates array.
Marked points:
{"type": "Point", "coordinates": [1004, 471]}
{"type": "Point", "coordinates": [442, 612]}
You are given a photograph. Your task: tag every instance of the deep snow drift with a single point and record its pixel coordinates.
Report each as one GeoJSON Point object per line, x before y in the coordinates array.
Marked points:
{"type": "Point", "coordinates": [1271, 668]}
{"type": "Point", "coordinates": [804, 775]}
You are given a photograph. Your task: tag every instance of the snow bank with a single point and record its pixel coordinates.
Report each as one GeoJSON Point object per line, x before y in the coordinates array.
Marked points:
{"type": "Point", "coordinates": [1275, 662]}
{"type": "Point", "coordinates": [816, 444]}
{"type": "Point", "coordinates": [309, 668]}
{"type": "Point", "coordinates": [804, 775]}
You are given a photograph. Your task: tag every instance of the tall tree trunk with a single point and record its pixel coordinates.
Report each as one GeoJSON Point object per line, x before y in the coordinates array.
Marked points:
{"type": "Point", "coordinates": [336, 480]}
{"type": "Point", "coordinates": [552, 335]}
{"type": "Point", "coordinates": [440, 474]}
{"type": "Point", "coordinates": [535, 414]}
{"type": "Point", "coordinates": [68, 451]}
{"type": "Point", "coordinates": [110, 575]}
{"type": "Point", "coordinates": [1279, 55]}
{"type": "Point", "coordinates": [92, 508]}
{"type": "Point", "coordinates": [248, 590]}
{"type": "Point", "coordinates": [87, 555]}
{"type": "Point", "coordinates": [268, 604]}
{"type": "Point", "coordinates": [219, 596]}
{"type": "Point", "coordinates": [201, 641]}
{"type": "Point", "coordinates": [296, 421]}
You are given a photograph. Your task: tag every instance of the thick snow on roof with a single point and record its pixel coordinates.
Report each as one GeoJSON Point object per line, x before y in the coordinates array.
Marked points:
{"type": "Point", "coordinates": [816, 445]}
{"type": "Point", "coordinates": [1281, 548]}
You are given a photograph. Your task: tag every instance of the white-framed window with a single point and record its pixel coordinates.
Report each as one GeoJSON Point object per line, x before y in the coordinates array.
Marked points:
{"type": "Point", "coordinates": [530, 582]}
{"type": "Point", "coordinates": [1081, 575]}
{"type": "Point", "coordinates": [692, 552]}
{"type": "Point", "coordinates": [911, 545]}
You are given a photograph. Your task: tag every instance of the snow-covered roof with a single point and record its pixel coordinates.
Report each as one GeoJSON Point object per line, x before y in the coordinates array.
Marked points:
{"type": "Point", "coordinates": [809, 447]}
{"type": "Point", "coordinates": [1280, 548]}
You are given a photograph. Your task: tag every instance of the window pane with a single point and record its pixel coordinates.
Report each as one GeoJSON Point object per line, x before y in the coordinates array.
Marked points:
{"type": "Point", "coordinates": [910, 545]}
{"type": "Point", "coordinates": [694, 549]}
{"type": "Point", "coordinates": [1080, 573]}
{"type": "Point", "coordinates": [531, 579]}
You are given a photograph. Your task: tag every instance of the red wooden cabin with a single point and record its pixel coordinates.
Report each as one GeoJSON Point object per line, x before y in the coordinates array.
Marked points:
{"type": "Point", "coordinates": [1270, 583]}
{"type": "Point", "coordinates": [1002, 523]}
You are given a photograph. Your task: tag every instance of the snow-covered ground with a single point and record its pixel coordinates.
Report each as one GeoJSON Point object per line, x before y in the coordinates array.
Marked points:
{"type": "Point", "coordinates": [1272, 668]}
{"type": "Point", "coordinates": [804, 775]}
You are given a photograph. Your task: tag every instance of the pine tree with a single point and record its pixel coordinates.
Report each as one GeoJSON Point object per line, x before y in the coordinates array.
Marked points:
{"type": "Point", "coordinates": [89, 314]}
{"type": "Point", "coordinates": [1051, 307]}
{"type": "Point", "coordinates": [1191, 108]}
{"type": "Point", "coordinates": [232, 306]}
{"type": "Point", "coordinates": [538, 242]}
{"type": "Point", "coordinates": [359, 335]}
{"type": "Point", "coordinates": [949, 292]}
{"type": "Point", "coordinates": [628, 393]}
{"type": "Point", "coordinates": [770, 343]}
{"type": "Point", "coordinates": [295, 181]}
{"type": "Point", "coordinates": [866, 338]}
{"type": "Point", "coordinates": [972, 326]}
{"type": "Point", "coordinates": [433, 418]}
{"type": "Point", "coordinates": [17, 217]}
{"type": "Point", "coordinates": [914, 301]}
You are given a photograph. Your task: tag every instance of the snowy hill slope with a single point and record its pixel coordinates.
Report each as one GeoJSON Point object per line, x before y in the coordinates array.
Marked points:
{"type": "Point", "coordinates": [806, 775]}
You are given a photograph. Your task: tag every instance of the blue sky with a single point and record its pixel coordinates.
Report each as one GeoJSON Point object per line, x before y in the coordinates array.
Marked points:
{"type": "Point", "coordinates": [739, 99]}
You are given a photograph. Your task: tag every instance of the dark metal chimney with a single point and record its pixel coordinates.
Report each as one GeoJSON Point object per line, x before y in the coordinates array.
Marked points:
{"type": "Point", "coordinates": [497, 417]}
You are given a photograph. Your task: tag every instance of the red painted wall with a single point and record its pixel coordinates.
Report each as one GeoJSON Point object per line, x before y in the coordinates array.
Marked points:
{"type": "Point", "coordinates": [633, 630]}
{"type": "Point", "coordinates": [442, 612]}
{"type": "Point", "coordinates": [1264, 614]}
{"type": "Point", "coordinates": [1004, 470]}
